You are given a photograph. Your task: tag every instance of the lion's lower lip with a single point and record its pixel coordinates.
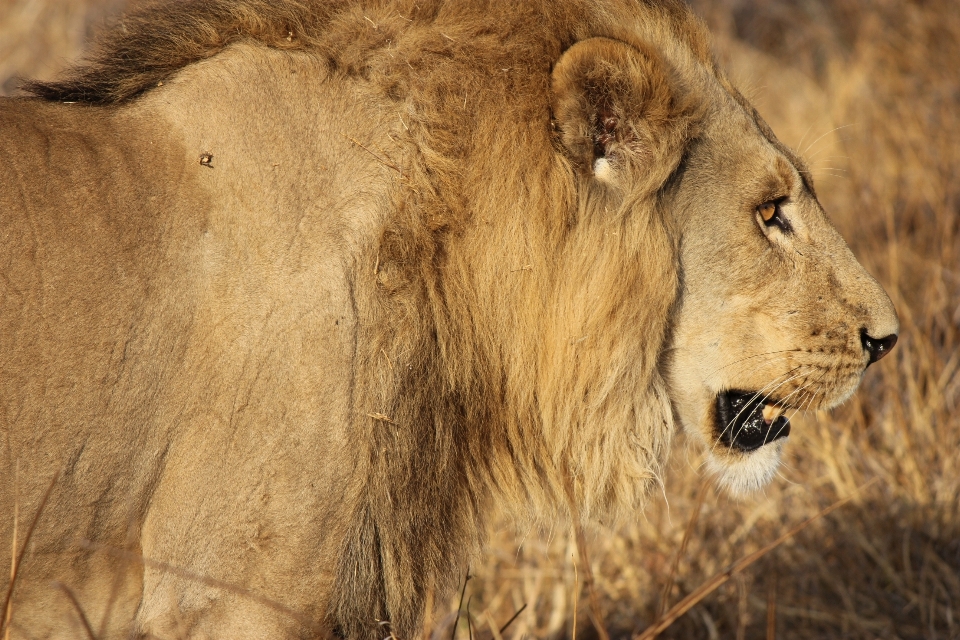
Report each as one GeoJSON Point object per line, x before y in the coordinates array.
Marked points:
{"type": "Point", "coordinates": [740, 422]}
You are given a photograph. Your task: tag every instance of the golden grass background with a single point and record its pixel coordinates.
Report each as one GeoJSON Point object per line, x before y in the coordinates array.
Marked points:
{"type": "Point", "coordinates": [869, 92]}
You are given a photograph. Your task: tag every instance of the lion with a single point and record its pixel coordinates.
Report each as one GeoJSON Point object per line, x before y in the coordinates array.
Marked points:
{"type": "Point", "coordinates": [293, 291]}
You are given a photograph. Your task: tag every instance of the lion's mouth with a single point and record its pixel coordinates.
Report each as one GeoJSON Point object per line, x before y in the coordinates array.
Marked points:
{"type": "Point", "coordinates": [746, 420]}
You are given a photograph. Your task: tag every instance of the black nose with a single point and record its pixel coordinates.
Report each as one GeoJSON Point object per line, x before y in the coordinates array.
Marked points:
{"type": "Point", "coordinates": [877, 347]}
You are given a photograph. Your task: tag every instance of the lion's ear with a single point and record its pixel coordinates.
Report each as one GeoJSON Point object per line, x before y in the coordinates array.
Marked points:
{"type": "Point", "coordinates": [619, 112]}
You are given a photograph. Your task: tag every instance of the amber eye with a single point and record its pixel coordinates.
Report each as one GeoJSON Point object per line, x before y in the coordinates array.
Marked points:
{"type": "Point", "coordinates": [767, 210]}
{"type": "Point", "coordinates": [772, 215]}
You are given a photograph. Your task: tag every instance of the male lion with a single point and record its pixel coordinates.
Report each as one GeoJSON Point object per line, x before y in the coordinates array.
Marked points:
{"type": "Point", "coordinates": [293, 290]}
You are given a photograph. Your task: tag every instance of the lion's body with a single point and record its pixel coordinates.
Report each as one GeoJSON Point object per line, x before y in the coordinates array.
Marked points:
{"type": "Point", "coordinates": [156, 324]}
{"type": "Point", "coordinates": [291, 305]}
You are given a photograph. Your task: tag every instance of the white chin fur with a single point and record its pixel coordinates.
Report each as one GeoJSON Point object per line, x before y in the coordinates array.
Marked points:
{"type": "Point", "coordinates": [745, 473]}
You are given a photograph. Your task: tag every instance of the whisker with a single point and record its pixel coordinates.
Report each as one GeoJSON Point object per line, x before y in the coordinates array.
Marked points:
{"type": "Point", "coordinates": [767, 396]}
{"type": "Point", "coordinates": [816, 153]}
{"type": "Point", "coordinates": [809, 399]}
{"type": "Point", "coordinates": [756, 355]}
{"type": "Point", "coordinates": [803, 137]}
{"type": "Point", "coordinates": [809, 146]}
{"type": "Point", "coordinates": [773, 385]}
{"type": "Point", "coordinates": [797, 391]}
{"type": "Point", "coordinates": [831, 156]}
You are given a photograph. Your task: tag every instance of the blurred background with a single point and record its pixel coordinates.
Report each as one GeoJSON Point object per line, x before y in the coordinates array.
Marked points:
{"type": "Point", "coordinates": [867, 91]}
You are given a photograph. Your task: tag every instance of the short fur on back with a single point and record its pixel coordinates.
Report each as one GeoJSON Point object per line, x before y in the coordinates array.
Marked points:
{"type": "Point", "coordinates": [313, 283]}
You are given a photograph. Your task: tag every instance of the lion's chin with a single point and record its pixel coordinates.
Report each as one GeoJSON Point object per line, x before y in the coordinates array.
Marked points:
{"type": "Point", "coordinates": [748, 430]}
{"type": "Point", "coordinates": [743, 473]}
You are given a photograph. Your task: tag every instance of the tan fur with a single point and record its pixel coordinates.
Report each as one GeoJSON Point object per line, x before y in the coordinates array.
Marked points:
{"type": "Point", "coordinates": [303, 287]}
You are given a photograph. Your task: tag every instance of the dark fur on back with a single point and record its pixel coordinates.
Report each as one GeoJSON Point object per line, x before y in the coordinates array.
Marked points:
{"type": "Point", "coordinates": [145, 47]}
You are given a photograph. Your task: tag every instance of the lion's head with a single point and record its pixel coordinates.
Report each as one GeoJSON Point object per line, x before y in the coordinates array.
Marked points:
{"type": "Point", "coordinates": [776, 314]}
{"type": "Point", "coordinates": [773, 314]}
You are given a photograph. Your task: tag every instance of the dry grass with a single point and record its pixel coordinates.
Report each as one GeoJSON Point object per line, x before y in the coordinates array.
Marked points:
{"type": "Point", "coordinates": [869, 90]}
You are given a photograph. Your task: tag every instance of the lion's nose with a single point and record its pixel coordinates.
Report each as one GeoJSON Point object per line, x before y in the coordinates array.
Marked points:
{"type": "Point", "coordinates": [877, 347]}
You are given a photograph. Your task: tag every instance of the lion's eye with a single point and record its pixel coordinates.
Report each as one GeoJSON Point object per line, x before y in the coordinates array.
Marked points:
{"type": "Point", "coordinates": [772, 215]}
